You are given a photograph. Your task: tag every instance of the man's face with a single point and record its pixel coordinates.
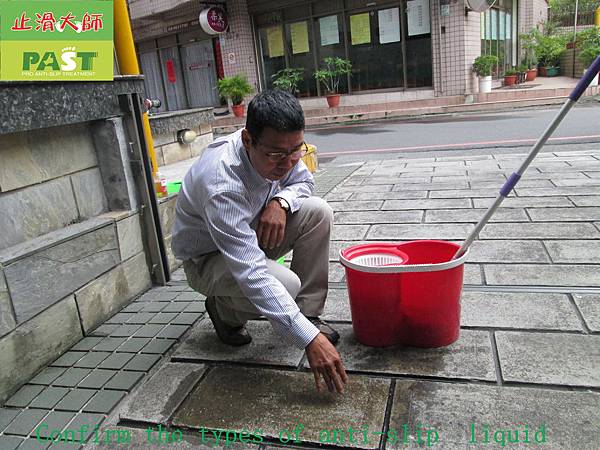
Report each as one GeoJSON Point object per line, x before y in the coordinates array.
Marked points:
{"type": "Point", "coordinates": [274, 153]}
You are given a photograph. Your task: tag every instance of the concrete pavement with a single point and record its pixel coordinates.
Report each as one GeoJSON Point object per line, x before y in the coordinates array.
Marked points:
{"type": "Point", "coordinates": [524, 373]}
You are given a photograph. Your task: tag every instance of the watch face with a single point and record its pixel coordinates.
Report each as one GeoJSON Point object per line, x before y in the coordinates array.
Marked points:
{"type": "Point", "coordinates": [283, 204]}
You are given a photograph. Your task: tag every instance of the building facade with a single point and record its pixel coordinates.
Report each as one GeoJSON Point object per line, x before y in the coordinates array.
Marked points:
{"type": "Point", "coordinates": [394, 45]}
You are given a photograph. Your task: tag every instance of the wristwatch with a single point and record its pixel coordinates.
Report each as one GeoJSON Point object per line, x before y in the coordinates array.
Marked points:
{"type": "Point", "coordinates": [283, 203]}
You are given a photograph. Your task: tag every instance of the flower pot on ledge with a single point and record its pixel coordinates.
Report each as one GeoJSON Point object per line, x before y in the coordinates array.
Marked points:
{"type": "Point", "coordinates": [238, 110]}
{"type": "Point", "coordinates": [333, 100]}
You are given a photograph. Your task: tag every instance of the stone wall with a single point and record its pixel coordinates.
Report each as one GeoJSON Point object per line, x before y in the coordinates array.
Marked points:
{"type": "Point", "coordinates": [166, 126]}
{"type": "Point", "coordinates": [72, 250]}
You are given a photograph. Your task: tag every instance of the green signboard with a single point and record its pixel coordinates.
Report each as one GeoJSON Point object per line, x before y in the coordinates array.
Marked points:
{"type": "Point", "coordinates": [56, 40]}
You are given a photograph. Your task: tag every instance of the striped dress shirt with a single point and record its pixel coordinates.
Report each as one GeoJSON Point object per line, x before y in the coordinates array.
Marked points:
{"type": "Point", "coordinates": [218, 208]}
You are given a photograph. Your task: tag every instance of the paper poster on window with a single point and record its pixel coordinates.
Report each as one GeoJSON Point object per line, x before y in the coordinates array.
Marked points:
{"type": "Point", "coordinates": [275, 42]}
{"type": "Point", "coordinates": [389, 25]}
{"type": "Point", "coordinates": [360, 29]}
{"type": "Point", "coordinates": [418, 17]}
{"type": "Point", "coordinates": [299, 34]}
{"type": "Point", "coordinates": [328, 27]}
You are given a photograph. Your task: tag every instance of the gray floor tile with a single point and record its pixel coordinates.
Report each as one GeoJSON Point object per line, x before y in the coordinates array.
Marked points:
{"type": "Point", "coordinates": [120, 317]}
{"type": "Point", "coordinates": [163, 317]}
{"type": "Point", "coordinates": [195, 307]}
{"type": "Point", "coordinates": [6, 416]}
{"type": "Point", "coordinates": [109, 344]}
{"type": "Point", "coordinates": [125, 330]}
{"type": "Point", "coordinates": [25, 422]}
{"type": "Point", "coordinates": [71, 377]}
{"type": "Point", "coordinates": [419, 231]}
{"type": "Point", "coordinates": [589, 305]}
{"type": "Point", "coordinates": [104, 402]}
{"type": "Point", "coordinates": [48, 375]}
{"type": "Point", "coordinates": [141, 318]}
{"type": "Point", "coordinates": [337, 306]}
{"type": "Point", "coordinates": [148, 331]}
{"type": "Point", "coordinates": [154, 306]}
{"type": "Point", "coordinates": [92, 359]}
{"type": "Point", "coordinates": [470, 357]}
{"type": "Point", "coordinates": [538, 230]}
{"type": "Point", "coordinates": [133, 345]}
{"type": "Point", "coordinates": [9, 442]}
{"type": "Point", "coordinates": [97, 378]}
{"type": "Point", "coordinates": [266, 347]}
{"type": "Point", "coordinates": [159, 346]}
{"type": "Point", "coordinates": [34, 444]}
{"type": "Point", "coordinates": [571, 251]}
{"type": "Point", "coordinates": [133, 308]}
{"type": "Point", "coordinates": [189, 297]}
{"type": "Point", "coordinates": [452, 409]}
{"type": "Point", "coordinates": [372, 217]}
{"type": "Point", "coordinates": [124, 381]}
{"type": "Point", "coordinates": [542, 275]}
{"type": "Point", "coordinates": [104, 330]}
{"type": "Point", "coordinates": [75, 399]}
{"type": "Point", "coordinates": [86, 343]}
{"type": "Point", "coordinates": [186, 318]}
{"type": "Point", "coordinates": [549, 358]}
{"type": "Point", "coordinates": [142, 362]}
{"type": "Point", "coordinates": [175, 307]}
{"type": "Point", "coordinates": [116, 361]}
{"type": "Point", "coordinates": [507, 251]}
{"type": "Point", "coordinates": [172, 331]}
{"type": "Point", "coordinates": [518, 310]}
{"type": "Point", "coordinates": [279, 399]}
{"type": "Point", "coordinates": [346, 232]}
{"type": "Point", "coordinates": [68, 359]}
{"type": "Point", "coordinates": [49, 397]}
{"type": "Point", "coordinates": [89, 419]}
{"type": "Point", "coordinates": [24, 396]}
{"type": "Point", "coordinates": [56, 420]}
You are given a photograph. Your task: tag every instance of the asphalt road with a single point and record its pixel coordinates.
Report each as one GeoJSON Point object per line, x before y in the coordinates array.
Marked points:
{"type": "Point", "coordinates": [520, 127]}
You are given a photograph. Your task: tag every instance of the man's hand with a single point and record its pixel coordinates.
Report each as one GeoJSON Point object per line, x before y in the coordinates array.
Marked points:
{"type": "Point", "coordinates": [325, 361]}
{"type": "Point", "coordinates": [271, 227]}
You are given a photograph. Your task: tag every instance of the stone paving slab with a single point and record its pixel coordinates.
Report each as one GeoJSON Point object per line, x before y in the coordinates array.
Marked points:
{"type": "Point", "coordinates": [571, 251]}
{"type": "Point", "coordinates": [581, 214]}
{"type": "Point", "coordinates": [542, 275]}
{"type": "Point", "coordinates": [586, 200]}
{"type": "Point", "coordinates": [472, 275]}
{"type": "Point", "coordinates": [464, 193]}
{"type": "Point", "coordinates": [525, 202]}
{"type": "Point", "coordinates": [475, 215]}
{"type": "Point", "coordinates": [371, 217]}
{"type": "Point", "coordinates": [337, 273]}
{"type": "Point", "coordinates": [518, 310]}
{"type": "Point", "coordinates": [451, 409]}
{"type": "Point", "coordinates": [556, 191]}
{"type": "Point", "coordinates": [364, 188]}
{"type": "Point", "coordinates": [357, 205]}
{"type": "Point", "coordinates": [589, 305]}
{"type": "Point", "coordinates": [507, 251]}
{"type": "Point", "coordinates": [405, 195]}
{"type": "Point", "coordinates": [470, 357]}
{"type": "Point", "coordinates": [553, 230]}
{"type": "Point", "coordinates": [158, 397]}
{"type": "Point", "coordinates": [419, 231]}
{"type": "Point", "coordinates": [278, 400]}
{"type": "Point", "coordinates": [430, 186]}
{"type": "Point", "coordinates": [337, 306]}
{"type": "Point", "coordinates": [549, 358]}
{"type": "Point", "coordinates": [427, 203]}
{"type": "Point", "coordinates": [346, 232]}
{"type": "Point", "coordinates": [266, 347]}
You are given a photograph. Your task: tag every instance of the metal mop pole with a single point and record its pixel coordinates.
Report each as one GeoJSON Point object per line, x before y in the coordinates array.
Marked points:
{"type": "Point", "coordinates": [514, 178]}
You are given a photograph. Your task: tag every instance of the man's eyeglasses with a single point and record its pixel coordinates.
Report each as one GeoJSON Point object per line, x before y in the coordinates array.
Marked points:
{"type": "Point", "coordinates": [296, 153]}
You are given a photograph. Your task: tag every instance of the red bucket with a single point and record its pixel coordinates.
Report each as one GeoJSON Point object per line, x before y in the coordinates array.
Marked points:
{"type": "Point", "coordinates": [404, 294]}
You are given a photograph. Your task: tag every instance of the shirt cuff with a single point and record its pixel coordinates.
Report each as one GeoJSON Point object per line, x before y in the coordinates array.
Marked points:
{"type": "Point", "coordinates": [290, 199]}
{"type": "Point", "coordinates": [301, 331]}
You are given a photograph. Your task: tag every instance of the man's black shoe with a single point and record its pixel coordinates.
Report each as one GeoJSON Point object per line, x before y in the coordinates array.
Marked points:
{"type": "Point", "coordinates": [228, 334]}
{"type": "Point", "coordinates": [326, 329]}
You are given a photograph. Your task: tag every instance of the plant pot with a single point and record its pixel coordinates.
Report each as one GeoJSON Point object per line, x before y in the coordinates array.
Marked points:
{"type": "Point", "coordinates": [333, 100]}
{"type": "Point", "coordinates": [549, 71]}
{"type": "Point", "coordinates": [238, 110]}
{"type": "Point", "coordinates": [510, 80]}
{"type": "Point", "coordinates": [485, 84]}
{"type": "Point", "coordinates": [531, 75]}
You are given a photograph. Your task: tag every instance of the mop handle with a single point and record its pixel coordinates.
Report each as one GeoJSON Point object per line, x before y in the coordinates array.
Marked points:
{"type": "Point", "coordinates": [514, 178]}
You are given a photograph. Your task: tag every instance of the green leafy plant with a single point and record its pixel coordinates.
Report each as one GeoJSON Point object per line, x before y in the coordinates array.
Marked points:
{"type": "Point", "coordinates": [288, 79]}
{"type": "Point", "coordinates": [510, 72]}
{"type": "Point", "coordinates": [330, 75]}
{"type": "Point", "coordinates": [588, 43]}
{"type": "Point", "coordinates": [549, 49]}
{"type": "Point", "coordinates": [484, 64]}
{"type": "Point", "coordinates": [528, 43]}
{"type": "Point", "coordinates": [234, 88]}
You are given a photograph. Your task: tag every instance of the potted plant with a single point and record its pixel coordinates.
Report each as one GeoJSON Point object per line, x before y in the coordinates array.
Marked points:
{"type": "Point", "coordinates": [510, 77]}
{"type": "Point", "coordinates": [528, 43]}
{"type": "Point", "coordinates": [288, 79]}
{"type": "Point", "coordinates": [334, 68]}
{"type": "Point", "coordinates": [483, 67]}
{"type": "Point", "coordinates": [589, 48]}
{"type": "Point", "coordinates": [522, 73]}
{"type": "Point", "coordinates": [549, 49]}
{"type": "Point", "coordinates": [235, 88]}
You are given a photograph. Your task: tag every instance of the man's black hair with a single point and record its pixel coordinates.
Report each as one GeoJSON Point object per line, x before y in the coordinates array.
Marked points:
{"type": "Point", "coordinates": [276, 109]}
